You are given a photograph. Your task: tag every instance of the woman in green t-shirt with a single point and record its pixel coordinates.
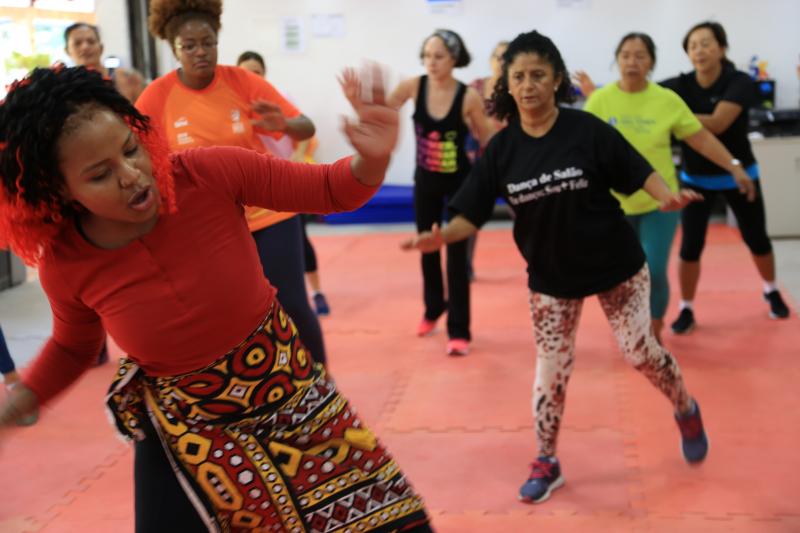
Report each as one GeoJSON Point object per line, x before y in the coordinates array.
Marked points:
{"type": "Point", "coordinates": [647, 115]}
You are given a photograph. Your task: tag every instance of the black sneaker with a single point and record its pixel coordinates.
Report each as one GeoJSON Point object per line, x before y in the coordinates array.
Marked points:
{"type": "Point", "coordinates": [777, 307]}
{"type": "Point", "coordinates": [685, 322]}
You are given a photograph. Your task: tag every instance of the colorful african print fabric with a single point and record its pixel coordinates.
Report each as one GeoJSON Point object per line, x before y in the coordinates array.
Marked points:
{"type": "Point", "coordinates": [262, 441]}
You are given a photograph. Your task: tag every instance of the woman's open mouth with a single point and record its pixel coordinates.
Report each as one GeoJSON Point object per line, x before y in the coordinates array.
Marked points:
{"type": "Point", "coordinates": [142, 200]}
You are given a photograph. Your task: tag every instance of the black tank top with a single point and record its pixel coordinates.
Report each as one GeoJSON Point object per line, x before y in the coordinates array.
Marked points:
{"type": "Point", "coordinates": [441, 143]}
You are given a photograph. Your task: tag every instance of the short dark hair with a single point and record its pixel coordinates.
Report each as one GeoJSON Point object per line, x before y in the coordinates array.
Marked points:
{"type": "Point", "coordinates": [248, 55]}
{"type": "Point", "coordinates": [33, 118]}
{"type": "Point", "coordinates": [716, 28]}
{"type": "Point", "coordinates": [77, 26]}
{"type": "Point", "coordinates": [646, 39]}
{"type": "Point", "coordinates": [719, 35]}
{"type": "Point", "coordinates": [454, 44]}
{"type": "Point", "coordinates": [502, 104]}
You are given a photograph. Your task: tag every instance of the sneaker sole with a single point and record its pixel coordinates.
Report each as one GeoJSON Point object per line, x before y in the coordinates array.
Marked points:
{"type": "Point", "coordinates": [774, 316]}
{"type": "Point", "coordinates": [685, 331]}
{"type": "Point", "coordinates": [699, 461]}
{"type": "Point", "coordinates": [553, 486]}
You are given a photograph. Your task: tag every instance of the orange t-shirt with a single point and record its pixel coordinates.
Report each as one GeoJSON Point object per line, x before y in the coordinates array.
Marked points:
{"type": "Point", "coordinates": [218, 115]}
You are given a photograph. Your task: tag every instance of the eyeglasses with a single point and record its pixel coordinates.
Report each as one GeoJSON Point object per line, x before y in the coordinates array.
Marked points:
{"type": "Point", "coordinates": [192, 47]}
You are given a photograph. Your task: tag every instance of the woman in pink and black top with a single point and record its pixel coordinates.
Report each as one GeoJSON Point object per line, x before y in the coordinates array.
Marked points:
{"type": "Point", "coordinates": [446, 110]}
{"type": "Point", "coordinates": [219, 393]}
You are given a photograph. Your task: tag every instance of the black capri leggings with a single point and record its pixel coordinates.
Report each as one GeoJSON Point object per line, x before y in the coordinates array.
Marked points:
{"type": "Point", "coordinates": [309, 255]}
{"type": "Point", "coordinates": [750, 217]}
{"type": "Point", "coordinates": [280, 248]}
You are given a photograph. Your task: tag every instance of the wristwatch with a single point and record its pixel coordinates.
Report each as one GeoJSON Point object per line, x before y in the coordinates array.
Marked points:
{"type": "Point", "coordinates": [735, 162]}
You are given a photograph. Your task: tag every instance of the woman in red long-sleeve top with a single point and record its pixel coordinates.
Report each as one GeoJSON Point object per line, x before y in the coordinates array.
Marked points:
{"type": "Point", "coordinates": [235, 426]}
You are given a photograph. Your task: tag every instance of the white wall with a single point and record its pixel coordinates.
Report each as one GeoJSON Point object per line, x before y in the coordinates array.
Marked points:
{"type": "Point", "coordinates": [391, 31]}
{"type": "Point", "coordinates": [112, 19]}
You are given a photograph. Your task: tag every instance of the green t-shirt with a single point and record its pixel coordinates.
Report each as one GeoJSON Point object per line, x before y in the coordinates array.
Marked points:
{"type": "Point", "coordinates": [646, 119]}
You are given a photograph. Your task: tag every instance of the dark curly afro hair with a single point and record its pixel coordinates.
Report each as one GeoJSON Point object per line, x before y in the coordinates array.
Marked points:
{"type": "Point", "coordinates": [167, 16]}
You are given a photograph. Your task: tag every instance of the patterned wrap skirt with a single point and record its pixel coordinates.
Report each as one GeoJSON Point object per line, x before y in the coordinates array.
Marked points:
{"type": "Point", "coordinates": [261, 441]}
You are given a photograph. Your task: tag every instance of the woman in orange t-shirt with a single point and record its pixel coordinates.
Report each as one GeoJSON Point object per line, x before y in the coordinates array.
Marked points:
{"type": "Point", "coordinates": [302, 151]}
{"type": "Point", "coordinates": [205, 104]}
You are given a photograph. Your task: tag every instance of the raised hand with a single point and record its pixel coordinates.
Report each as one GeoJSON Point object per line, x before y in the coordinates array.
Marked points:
{"type": "Point", "coordinates": [679, 200]}
{"type": "Point", "coordinates": [272, 118]}
{"type": "Point", "coordinates": [374, 134]}
{"type": "Point", "coordinates": [584, 82]}
{"type": "Point", "coordinates": [426, 242]}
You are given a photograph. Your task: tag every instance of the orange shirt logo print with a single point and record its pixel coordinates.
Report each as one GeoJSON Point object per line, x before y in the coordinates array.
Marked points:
{"type": "Point", "coordinates": [236, 118]}
{"type": "Point", "coordinates": [182, 137]}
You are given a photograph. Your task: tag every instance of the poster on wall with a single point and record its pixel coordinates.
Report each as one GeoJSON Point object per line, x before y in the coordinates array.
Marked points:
{"type": "Point", "coordinates": [574, 4]}
{"type": "Point", "coordinates": [292, 35]}
{"type": "Point", "coordinates": [445, 7]}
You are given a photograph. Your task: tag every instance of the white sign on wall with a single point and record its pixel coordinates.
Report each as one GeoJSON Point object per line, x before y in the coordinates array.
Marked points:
{"type": "Point", "coordinates": [292, 35]}
{"type": "Point", "coordinates": [445, 7]}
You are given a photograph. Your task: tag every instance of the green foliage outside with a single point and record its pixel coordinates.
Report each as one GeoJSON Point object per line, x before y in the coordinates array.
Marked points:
{"type": "Point", "coordinates": [28, 63]}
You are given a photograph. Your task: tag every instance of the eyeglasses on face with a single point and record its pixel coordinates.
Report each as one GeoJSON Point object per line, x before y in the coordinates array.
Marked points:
{"type": "Point", "coordinates": [192, 47]}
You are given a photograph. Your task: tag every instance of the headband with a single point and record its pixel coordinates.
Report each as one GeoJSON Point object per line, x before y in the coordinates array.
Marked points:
{"type": "Point", "coordinates": [450, 42]}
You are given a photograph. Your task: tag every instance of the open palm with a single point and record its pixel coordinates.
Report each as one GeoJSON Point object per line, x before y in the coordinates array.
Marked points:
{"type": "Point", "coordinates": [374, 133]}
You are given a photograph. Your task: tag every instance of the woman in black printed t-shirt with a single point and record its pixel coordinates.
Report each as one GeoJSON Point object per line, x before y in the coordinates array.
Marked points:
{"type": "Point", "coordinates": [554, 166]}
{"type": "Point", "coordinates": [720, 96]}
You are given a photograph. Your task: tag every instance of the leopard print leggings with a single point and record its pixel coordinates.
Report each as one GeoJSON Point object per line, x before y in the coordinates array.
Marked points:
{"type": "Point", "coordinates": [555, 322]}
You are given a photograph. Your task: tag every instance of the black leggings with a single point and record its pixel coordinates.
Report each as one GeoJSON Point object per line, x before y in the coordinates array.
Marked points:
{"type": "Point", "coordinates": [160, 503]}
{"type": "Point", "coordinates": [280, 248]}
{"type": "Point", "coordinates": [309, 255]}
{"type": "Point", "coordinates": [430, 200]}
{"type": "Point", "coordinates": [750, 217]}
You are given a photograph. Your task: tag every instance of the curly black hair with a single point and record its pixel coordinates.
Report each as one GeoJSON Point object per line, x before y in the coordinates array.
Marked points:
{"type": "Point", "coordinates": [502, 104]}
{"type": "Point", "coordinates": [33, 117]}
{"type": "Point", "coordinates": [167, 16]}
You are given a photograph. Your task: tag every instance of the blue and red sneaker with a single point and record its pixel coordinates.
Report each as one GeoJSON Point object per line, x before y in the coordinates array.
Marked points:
{"type": "Point", "coordinates": [545, 477]}
{"type": "Point", "coordinates": [694, 441]}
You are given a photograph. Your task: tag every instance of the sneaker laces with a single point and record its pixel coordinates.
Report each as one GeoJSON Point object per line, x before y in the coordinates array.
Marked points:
{"type": "Point", "coordinates": [541, 470]}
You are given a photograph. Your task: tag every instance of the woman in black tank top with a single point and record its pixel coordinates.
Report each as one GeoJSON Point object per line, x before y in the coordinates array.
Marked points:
{"type": "Point", "coordinates": [446, 111]}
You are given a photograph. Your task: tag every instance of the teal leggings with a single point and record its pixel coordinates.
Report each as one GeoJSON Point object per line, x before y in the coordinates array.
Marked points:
{"type": "Point", "coordinates": [656, 231]}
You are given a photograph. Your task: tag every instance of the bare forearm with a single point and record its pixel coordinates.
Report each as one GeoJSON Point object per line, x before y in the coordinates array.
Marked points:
{"type": "Point", "coordinates": [656, 187]}
{"type": "Point", "coordinates": [458, 229]}
{"type": "Point", "coordinates": [709, 123]}
{"type": "Point", "coordinates": [300, 128]}
{"type": "Point", "coordinates": [369, 171]}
